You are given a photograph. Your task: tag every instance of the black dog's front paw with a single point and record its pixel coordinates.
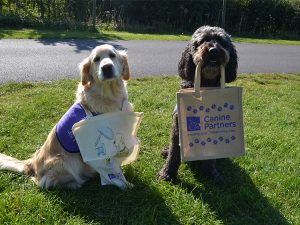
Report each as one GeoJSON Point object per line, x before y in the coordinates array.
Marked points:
{"type": "Point", "coordinates": [163, 175]}
{"type": "Point", "coordinates": [210, 172]}
{"type": "Point", "coordinates": [214, 176]}
{"type": "Point", "coordinates": [165, 152]}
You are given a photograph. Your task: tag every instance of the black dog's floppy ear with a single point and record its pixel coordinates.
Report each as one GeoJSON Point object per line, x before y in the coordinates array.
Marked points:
{"type": "Point", "coordinates": [231, 67]}
{"type": "Point", "coordinates": [186, 66]}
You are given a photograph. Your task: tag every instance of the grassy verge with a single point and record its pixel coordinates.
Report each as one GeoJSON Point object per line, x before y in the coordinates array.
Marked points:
{"type": "Point", "coordinates": [120, 35]}
{"type": "Point", "coordinates": [261, 188]}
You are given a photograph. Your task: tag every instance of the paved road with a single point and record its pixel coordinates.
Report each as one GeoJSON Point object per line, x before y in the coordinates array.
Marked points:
{"type": "Point", "coordinates": [38, 60]}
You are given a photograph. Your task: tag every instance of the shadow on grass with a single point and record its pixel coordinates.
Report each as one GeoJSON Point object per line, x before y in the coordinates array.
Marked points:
{"type": "Point", "coordinates": [81, 40]}
{"type": "Point", "coordinates": [80, 45]}
{"type": "Point", "coordinates": [109, 205]}
{"type": "Point", "coordinates": [238, 201]}
{"type": "Point", "coordinates": [56, 34]}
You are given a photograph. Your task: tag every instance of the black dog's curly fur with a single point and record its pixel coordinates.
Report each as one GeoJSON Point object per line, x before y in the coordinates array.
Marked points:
{"type": "Point", "coordinates": [212, 47]}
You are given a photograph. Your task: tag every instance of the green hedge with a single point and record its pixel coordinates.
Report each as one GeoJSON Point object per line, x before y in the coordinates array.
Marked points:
{"type": "Point", "coordinates": [255, 17]}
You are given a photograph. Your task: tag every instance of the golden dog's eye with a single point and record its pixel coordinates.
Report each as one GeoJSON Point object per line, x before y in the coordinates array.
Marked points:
{"type": "Point", "coordinates": [96, 59]}
{"type": "Point", "coordinates": [112, 55]}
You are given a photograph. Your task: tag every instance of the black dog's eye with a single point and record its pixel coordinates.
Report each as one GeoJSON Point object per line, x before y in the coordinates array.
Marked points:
{"type": "Point", "coordinates": [220, 41]}
{"type": "Point", "coordinates": [204, 40]}
{"type": "Point", "coordinates": [96, 59]}
{"type": "Point", "coordinates": [112, 55]}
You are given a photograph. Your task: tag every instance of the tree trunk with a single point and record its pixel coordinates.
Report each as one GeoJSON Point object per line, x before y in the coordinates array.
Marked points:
{"type": "Point", "coordinates": [49, 10]}
{"type": "Point", "coordinates": [223, 14]}
{"type": "Point", "coordinates": [240, 23]}
{"type": "Point", "coordinates": [41, 7]}
{"type": "Point", "coordinates": [1, 4]}
{"type": "Point", "coordinates": [94, 15]}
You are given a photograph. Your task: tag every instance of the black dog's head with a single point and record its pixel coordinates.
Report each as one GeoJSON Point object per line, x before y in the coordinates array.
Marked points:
{"type": "Point", "coordinates": [211, 47]}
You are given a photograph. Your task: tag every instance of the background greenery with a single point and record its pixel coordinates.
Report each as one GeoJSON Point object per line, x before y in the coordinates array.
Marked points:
{"type": "Point", "coordinates": [266, 18]}
{"type": "Point", "coordinates": [261, 187]}
{"type": "Point", "coordinates": [120, 35]}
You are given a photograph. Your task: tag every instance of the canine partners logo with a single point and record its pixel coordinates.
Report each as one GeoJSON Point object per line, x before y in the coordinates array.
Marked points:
{"type": "Point", "coordinates": [193, 123]}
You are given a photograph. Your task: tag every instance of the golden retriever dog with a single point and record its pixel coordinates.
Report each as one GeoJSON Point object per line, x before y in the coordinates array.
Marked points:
{"type": "Point", "coordinates": [102, 89]}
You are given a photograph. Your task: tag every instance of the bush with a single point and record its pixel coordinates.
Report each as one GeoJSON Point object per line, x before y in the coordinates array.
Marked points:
{"type": "Point", "coordinates": [254, 17]}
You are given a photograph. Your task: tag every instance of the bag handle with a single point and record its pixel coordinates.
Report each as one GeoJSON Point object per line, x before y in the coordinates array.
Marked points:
{"type": "Point", "coordinates": [198, 77]}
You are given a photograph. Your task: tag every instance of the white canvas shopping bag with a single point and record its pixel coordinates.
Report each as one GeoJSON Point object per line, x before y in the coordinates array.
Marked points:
{"type": "Point", "coordinates": [107, 141]}
{"type": "Point", "coordinates": [210, 121]}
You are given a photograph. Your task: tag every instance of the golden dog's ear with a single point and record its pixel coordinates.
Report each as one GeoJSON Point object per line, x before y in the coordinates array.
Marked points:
{"type": "Point", "coordinates": [84, 68]}
{"type": "Point", "coordinates": [125, 72]}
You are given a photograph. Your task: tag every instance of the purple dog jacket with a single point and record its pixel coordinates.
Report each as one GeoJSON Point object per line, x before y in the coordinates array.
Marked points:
{"type": "Point", "coordinates": [64, 127]}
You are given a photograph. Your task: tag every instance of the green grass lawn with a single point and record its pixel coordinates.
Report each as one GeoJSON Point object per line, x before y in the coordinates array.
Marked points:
{"type": "Point", "coordinates": [120, 35]}
{"type": "Point", "coordinates": [261, 187]}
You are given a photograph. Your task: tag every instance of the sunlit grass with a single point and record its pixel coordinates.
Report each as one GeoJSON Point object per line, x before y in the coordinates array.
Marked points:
{"type": "Point", "coordinates": [120, 35]}
{"type": "Point", "coordinates": [261, 187]}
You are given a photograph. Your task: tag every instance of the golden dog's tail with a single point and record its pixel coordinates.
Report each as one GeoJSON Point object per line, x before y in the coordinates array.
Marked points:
{"type": "Point", "coordinates": [12, 164]}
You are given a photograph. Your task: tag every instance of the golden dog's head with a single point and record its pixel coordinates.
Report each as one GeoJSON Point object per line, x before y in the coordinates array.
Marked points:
{"type": "Point", "coordinates": [105, 63]}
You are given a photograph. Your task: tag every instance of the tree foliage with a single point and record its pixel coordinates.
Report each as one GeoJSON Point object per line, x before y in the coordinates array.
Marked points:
{"type": "Point", "coordinates": [257, 17]}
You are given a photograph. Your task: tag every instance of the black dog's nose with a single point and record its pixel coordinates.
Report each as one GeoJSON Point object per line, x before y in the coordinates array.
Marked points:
{"type": "Point", "coordinates": [107, 70]}
{"type": "Point", "coordinates": [213, 51]}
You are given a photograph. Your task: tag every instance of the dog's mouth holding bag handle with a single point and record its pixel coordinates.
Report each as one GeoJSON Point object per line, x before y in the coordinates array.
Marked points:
{"type": "Point", "coordinates": [210, 120]}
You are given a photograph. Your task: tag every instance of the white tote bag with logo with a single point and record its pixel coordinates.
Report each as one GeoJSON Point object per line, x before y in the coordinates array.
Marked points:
{"type": "Point", "coordinates": [210, 121]}
{"type": "Point", "coordinates": [107, 141]}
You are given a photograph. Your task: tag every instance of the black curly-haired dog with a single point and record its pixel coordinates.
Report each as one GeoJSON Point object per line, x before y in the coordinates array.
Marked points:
{"type": "Point", "coordinates": [212, 47]}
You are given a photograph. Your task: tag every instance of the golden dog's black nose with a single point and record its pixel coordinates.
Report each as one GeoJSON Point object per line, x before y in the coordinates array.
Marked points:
{"type": "Point", "coordinates": [107, 70]}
